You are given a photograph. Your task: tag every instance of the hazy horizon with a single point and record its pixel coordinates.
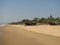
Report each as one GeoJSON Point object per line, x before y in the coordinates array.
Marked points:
{"type": "Point", "coordinates": [15, 10]}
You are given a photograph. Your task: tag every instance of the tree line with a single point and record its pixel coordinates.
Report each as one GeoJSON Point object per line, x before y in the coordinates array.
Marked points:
{"type": "Point", "coordinates": [39, 21]}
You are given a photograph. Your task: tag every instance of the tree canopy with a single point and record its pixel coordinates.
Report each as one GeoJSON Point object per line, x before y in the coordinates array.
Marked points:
{"type": "Point", "coordinates": [49, 20]}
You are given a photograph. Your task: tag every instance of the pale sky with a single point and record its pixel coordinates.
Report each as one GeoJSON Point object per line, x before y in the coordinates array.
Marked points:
{"type": "Point", "coordinates": [15, 10]}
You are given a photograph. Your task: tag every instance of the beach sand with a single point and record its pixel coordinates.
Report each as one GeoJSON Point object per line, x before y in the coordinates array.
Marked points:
{"type": "Point", "coordinates": [31, 35]}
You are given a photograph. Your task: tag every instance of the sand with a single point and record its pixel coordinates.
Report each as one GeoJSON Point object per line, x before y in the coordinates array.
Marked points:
{"type": "Point", "coordinates": [30, 35]}
{"type": "Point", "coordinates": [45, 29]}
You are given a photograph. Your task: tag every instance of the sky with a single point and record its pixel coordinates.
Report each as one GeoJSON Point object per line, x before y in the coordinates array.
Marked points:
{"type": "Point", "coordinates": [15, 10]}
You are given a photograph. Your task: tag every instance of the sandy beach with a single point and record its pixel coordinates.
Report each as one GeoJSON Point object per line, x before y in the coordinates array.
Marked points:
{"type": "Point", "coordinates": [30, 35]}
{"type": "Point", "coordinates": [45, 29]}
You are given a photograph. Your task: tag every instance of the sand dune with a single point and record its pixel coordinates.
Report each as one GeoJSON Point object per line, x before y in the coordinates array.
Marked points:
{"type": "Point", "coordinates": [21, 36]}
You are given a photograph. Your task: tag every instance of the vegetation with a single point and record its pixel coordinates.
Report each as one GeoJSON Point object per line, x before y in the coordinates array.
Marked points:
{"type": "Point", "coordinates": [37, 21]}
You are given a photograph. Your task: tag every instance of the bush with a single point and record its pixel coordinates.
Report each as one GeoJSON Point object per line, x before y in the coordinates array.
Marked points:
{"type": "Point", "coordinates": [52, 23]}
{"type": "Point", "coordinates": [30, 23]}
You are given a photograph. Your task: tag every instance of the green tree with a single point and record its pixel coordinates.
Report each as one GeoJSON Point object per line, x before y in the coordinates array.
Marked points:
{"type": "Point", "coordinates": [43, 20]}
{"type": "Point", "coordinates": [36, 20]}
